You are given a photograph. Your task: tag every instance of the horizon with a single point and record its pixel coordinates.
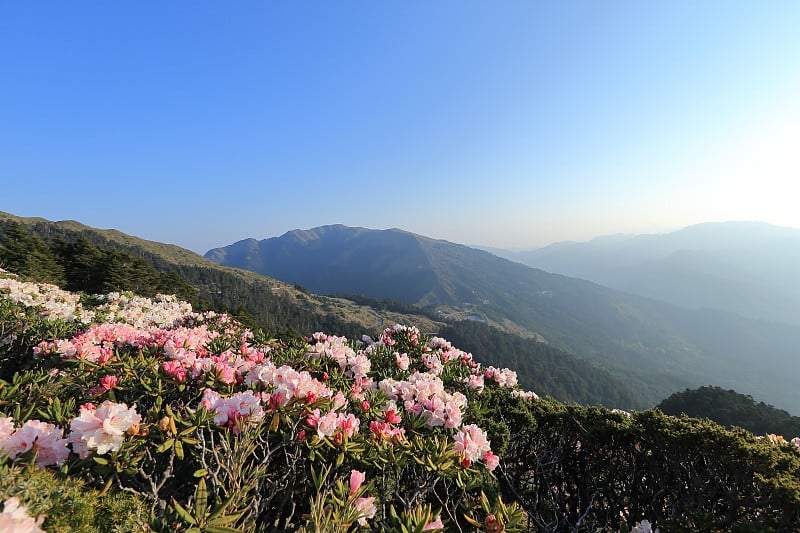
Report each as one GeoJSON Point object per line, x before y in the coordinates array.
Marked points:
{"type": "Point", "coordinates": [512, 126]}
{"type": "Point", "coordinates": [479, 246]}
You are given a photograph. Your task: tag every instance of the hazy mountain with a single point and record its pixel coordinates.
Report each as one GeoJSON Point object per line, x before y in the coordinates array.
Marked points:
{"type": "Point", "coordinates": [749, 268]}
{"type": "Point", "coordinates": [116, 261]}
{"type": "Point", "coordinates": [657, 347]}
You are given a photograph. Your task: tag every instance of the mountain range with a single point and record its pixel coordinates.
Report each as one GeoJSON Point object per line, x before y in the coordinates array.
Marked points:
{"type": "Point", "coordinates": [655, 347]}
{"type": "Point", "coordinates": [66, 251]}
{"type": "Point", "coordinates": [748, 268]}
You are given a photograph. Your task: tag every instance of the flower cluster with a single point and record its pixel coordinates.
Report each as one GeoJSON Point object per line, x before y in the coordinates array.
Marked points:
{"type": "Point", "coordinates": [234, 412]}
{"type": "Point", "coordinates": [285, 384]}
{"type": "Point", "coordinates": [163, 310]}
{"type": "Point", "coordinates": [356, 365]}
{"type": "Point", "coordinates": [472, 445]}
{"type": "Point", "coordinates": [778, 440]}
{"type": "Point", "coordinates": [503, 376]}
{"type": "Point", "coordinates": [424, 395]}
{"type": "Point", "coordinates": [410, 334]}
{"type": "Point", "coordinates": [45, 440]}
{"type": "Point", "coordinates": [54, 302]}
{"type": "Point", "coordinates": [100, 429]}
{"type": "Point", "coordinates": [103, 428]}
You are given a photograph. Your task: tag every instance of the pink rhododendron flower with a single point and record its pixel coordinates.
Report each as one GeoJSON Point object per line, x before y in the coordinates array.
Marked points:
{"type": "Point", "coordinates": [491, 461]}
{"type": "Point", "coordinates": [390, 416]}
{"type": "Point", "coordinates": [471, 443]}
{"type": "Point", "coordinates": [175, 370]}
{"type": "Point", "coordinates": [108, 382]}
{"type": "Point", "coordinates": [475, 382]}
{"type": "Point", "coordinates": [403, 361]}
{"type": "Point", "coordinates": [387, 432]}
{"type": "Point", "coordinates": [46, 440]}
{"type": "Point", "coordinates": [6, 428]}
{"type": "Point", "coordinates": [356, 479]}
{"type": "Point", "coordinates": [242, 407]}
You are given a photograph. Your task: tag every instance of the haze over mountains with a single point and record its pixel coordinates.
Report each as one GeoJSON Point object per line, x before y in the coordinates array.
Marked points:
{"type": "Point", "coordinates": [656, 347]}
{"type": "Point", "coordinates": [749, 268]}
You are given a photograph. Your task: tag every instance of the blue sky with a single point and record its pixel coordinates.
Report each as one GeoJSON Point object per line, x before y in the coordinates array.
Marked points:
{"type": "Point", "coordinates": [510, 124]}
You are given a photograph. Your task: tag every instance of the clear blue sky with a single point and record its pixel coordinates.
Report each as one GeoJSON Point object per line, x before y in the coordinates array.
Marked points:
{"type": "Point", "coordinates": [499, 123]}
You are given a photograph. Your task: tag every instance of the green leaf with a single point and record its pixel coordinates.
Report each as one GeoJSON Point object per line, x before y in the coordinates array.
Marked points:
{"type": "Point", "coordinates": [201, 499]}
{"type": "Point", "coordinates": [179, 449]}
{"type": "Point", "coordinates": [221, 529]}
{"type": "Point", "coordinates": [100, 460]}
{"type": "Point", "coordinates": [226, 520]}
{"type": "Point", "coordinates": [183, 513]}
{"type": "Point", "coordinates": [200, 473]}
{"type": "Point", "coordinates": [221, 509]}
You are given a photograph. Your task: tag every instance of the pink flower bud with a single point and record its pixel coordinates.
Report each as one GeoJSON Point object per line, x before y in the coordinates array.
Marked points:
{"type": "Point", "coordinates": [108, 382]}
{"type": "Point", "coordinates": [356, 480]}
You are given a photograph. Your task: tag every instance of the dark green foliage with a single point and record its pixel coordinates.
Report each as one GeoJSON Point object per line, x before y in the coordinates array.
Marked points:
{"type": "Point", "coordinates": [729, 408]}
{"type": "Point", "coordinates": [69, 505]}
{"type": "Point", "coordinates": [542, 368]}
{"type": "Point", "coordinates": [92, 269]}
{"type": "Point", "coordinates": [579, 469]}
{"type": "Point", "coordinates": [75, 263]}
{"type": "Point", "coordinates": [390, 304]}
{"type": "Point", "coordinates": [26, 254]}
{"type": "Point", "coordinates": [23, 328]}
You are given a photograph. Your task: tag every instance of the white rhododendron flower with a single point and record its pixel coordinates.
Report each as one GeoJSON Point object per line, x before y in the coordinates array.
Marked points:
{"type": "Point", "coordinates": [15, 519]}
{"type": "Point", "coordinates": [102, 429]}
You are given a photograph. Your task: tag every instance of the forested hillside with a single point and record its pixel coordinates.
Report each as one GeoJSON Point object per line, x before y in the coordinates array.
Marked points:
{"type": "Point", "coordinates": [729, 408]}
{"type": "Point", "coordinates": [90, 260]}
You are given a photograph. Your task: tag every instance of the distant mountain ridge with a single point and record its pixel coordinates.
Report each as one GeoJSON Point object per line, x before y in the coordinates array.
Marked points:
{"type": "Point", "coordinates": [32, 244]}
{"type": "Point", "coordinates": [748, 268]}
{"type": "Point", "coordinates": [656, 346]}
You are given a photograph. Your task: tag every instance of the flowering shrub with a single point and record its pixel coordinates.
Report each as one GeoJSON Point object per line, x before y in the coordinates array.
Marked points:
{"type": "Point", "coordinates": [219, 428]}
{"type": "Point", "coordinates": [179, 407]}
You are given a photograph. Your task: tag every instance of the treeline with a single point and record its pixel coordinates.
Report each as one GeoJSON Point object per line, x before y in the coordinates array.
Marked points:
{"type": "Point", "coordinates": [389, 304]}
{"type": "Point", "coordinates": [729, 408]}
{"type": "Point", "coordinates": [81, 266]}
{"type": "Point", "coordinates": [542, 368]}
{"type": "Point", "coordinates": [87, 261]}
